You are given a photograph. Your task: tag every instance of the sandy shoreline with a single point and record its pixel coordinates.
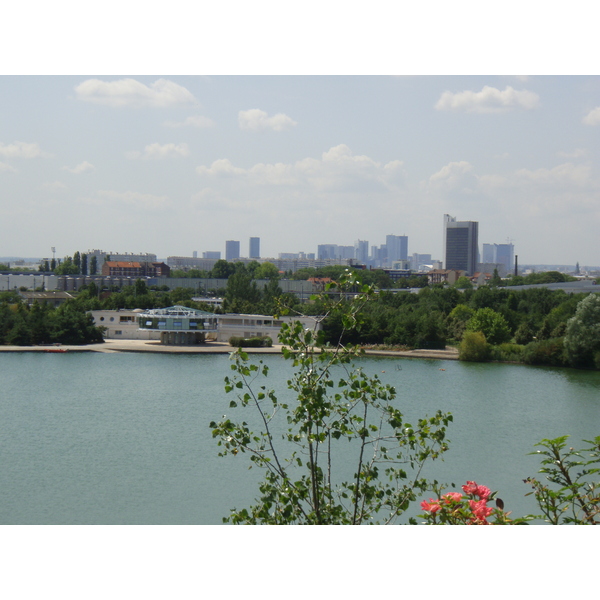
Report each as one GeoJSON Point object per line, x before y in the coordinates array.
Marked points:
{"type": "Point", "coordinates": [210, 348]}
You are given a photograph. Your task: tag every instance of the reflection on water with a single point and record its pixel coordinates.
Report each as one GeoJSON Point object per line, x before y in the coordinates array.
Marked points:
{"type": "Point", "coordinates": [124, 438]}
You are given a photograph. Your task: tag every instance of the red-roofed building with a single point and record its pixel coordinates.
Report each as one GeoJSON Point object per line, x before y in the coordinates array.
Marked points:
{"type": "Point", "coordinates": [112, 268]}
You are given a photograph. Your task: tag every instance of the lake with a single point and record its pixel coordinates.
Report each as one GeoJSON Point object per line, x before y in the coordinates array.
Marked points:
{"type": "Point", "coordinates": [124, 438]}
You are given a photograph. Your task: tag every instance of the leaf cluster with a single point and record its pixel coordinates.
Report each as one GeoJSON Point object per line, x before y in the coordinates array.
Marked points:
{"type": "Point", "coordinates": [338, 416]}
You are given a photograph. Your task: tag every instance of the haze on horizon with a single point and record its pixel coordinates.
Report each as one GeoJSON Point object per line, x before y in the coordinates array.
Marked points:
{"type": "Point", "coordinates": [173, 164]}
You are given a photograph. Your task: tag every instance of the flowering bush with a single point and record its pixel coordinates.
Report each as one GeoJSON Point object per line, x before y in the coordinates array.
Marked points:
{"type": "Point", "coordinates": [471, 508]}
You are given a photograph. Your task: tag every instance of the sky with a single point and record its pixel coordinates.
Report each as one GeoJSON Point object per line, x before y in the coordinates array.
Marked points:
{"type": "Point", "coordinates": [176, 164]}
{"type": "Point", "coordinates": [332, 126]}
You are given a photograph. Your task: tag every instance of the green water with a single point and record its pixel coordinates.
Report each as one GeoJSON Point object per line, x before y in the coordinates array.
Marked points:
{"type": "Point", "coordinates": [124, 438]}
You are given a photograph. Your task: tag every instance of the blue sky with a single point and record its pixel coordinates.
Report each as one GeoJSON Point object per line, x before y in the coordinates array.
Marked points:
{"type": "Point", "coordinates": [173, 164]}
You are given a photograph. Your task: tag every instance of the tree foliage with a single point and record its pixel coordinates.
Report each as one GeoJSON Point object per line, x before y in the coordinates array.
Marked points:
{"type": "Point", "coordinates": [492, 324]}
{"type": "Point", "coordinates": [337, 411]}
{"type": "Point", "coordinates": [582, 338]}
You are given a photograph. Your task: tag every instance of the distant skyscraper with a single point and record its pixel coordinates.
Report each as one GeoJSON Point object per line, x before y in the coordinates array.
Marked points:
{"type": "Point", "coordinates": [361, 251]}
{"type": "Point", "coordinates": [460, 244]}
{"type": "Point", "coordinates": [397, 247]}
{"type": "Point", "coordinates": [254, 248]}
{"type": "Point", "coordinates": [212, 255]}
{"type": "Point", "coordinates": [232, 249]}
{"type": "Point", "coordinates": [499, 254]}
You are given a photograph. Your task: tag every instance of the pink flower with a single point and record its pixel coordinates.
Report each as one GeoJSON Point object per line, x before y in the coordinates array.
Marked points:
{"type": "Point", "coordinates": [431, 506]}
{"type": "Point", "coordinates": [480, 509]}
{"type": "Point", "coordinates": [483, 492]}
{"type": "Point", "coordinates": [472, 489]}
{"type": "Point", "coordinates": [452, 496]}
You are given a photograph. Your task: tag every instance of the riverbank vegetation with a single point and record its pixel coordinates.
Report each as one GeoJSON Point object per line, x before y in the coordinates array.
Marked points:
{"type": "Point", "coordinates": [528, 326]}
{"type": "Point", "coordinates": [38, 324]}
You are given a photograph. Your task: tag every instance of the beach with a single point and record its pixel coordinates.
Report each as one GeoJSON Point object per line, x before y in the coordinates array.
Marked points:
{"type": "Point", "coordinates": [210, 348]}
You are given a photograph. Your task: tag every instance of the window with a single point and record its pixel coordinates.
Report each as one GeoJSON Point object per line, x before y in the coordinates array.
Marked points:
{"type": "Point", "coordinates": [118, 332]}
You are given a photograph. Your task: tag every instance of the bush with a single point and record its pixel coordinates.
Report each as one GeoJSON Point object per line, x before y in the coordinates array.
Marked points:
{"type": "Point", "coordinates": [253, 342]}
{"type": "Point", "coordinates": [507, 352]}
{"type": "Point", "coordinates": [474, 347]}
{"type": "Point", "coordinates": [545, 352]}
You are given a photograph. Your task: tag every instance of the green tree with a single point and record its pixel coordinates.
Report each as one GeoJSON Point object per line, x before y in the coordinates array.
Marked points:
{"type": "Point", "coordinates": [492, 324]}
{"type": "Point", "coordinates": [93, 265]}
{"type": "Point", "coordinates": [266, 270]}
{"type": "Point", "coordinates": [582, 339]}
{"type": "Point", "coordinates": [222, 269]}
{"type": "Point", "coordinates": [337, 411]}
{"type": "Point", "coordinates": [474, 347]}
{"type": "Point", "coordinates": [463, 283]}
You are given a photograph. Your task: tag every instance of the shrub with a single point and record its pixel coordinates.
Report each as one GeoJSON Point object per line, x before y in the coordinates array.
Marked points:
{"type": "Point", "coordinates": [545, 352]}
{"type": "Point", "coordinates": [253, 342]}
{"type": "Point", "coordinates": [507, 352]}
{"type": "Point", "coordinates": [474, 347]}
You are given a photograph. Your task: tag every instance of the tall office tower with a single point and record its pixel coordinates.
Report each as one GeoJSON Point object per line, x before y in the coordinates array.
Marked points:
{"type": "Point", "coordinates": [325, 251]}
{"type": "Point", "coordinates": [232, 249]}
{"type": "Point", "coordinates": [195, 254]}
{"type": "Point", "coordinates": [397, 247]}
{"type": "Point", "coordinates": [254, 248]}
{"type": "Point", "coordinates": [460, 244]}
{"type": "Point", "coordinates": [361, 251]}
{"type": "Point", "coordinates": [499, 254]}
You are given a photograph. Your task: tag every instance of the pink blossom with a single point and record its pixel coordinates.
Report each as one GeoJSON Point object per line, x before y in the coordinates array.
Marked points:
{"type": "Point", "coordinates": [470, 487]}
{"type": "Point", "coordinates": [473, 489]}
{"type": "Point", "coordinates": [452, 496]}
{"type": "Point", "coordinates": [480, 509]}
{"type": "Point", "coordinates": [431, 506]}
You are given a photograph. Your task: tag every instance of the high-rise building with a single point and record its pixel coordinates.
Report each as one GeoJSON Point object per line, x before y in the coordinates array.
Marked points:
{"type": "Point", "coordinates": [397, 247]}
{"type": "Point", "coordinates": [254, 248]}
{"type": "Point", "coordinates": [211, 254]}
{"type": "Point", "coordinates": [460, 244]}
{"type": "Point", "coordinates": [502, 254]}
{"type": "Point", "coordinates": [361, 251]}
{"type": "Point", "coordinates": [232, 249]}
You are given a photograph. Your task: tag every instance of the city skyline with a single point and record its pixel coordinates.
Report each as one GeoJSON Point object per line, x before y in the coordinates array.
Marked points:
{"type": "Point", "coordinates": [175, 164]}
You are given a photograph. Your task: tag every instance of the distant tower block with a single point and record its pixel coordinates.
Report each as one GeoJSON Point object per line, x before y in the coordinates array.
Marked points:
{"type": "Point", "coordinates": [461, 244]}
{"type": "Point", "coordinates": [232, 249]}
{"type": "Point", "coordinates": [254, 247]}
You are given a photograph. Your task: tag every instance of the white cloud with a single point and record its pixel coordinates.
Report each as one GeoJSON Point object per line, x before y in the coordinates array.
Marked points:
{"type": "Point", "coordinates": [129, 92]}
{"type": "Point", "coordinates": [452, 173]}
{"type": "Point", "coordinates": [488, 100]}
{"type": "Point", "coordinates": [593, 117]}
{"type": "Point", "coordinates": [158, 151]}
{"type": "Point", "coordinates": [258, 120]}
{"type": "Point", "coordinates": [194, 121]}
{"type": "Point", "coordinates": [80, 168]}
{"type": "Point", "coordinates": [20, 150]}
{"type": "Point", "coordinates": [5, 167]}
{"type": "Point", "coordinates": [337, 170]}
